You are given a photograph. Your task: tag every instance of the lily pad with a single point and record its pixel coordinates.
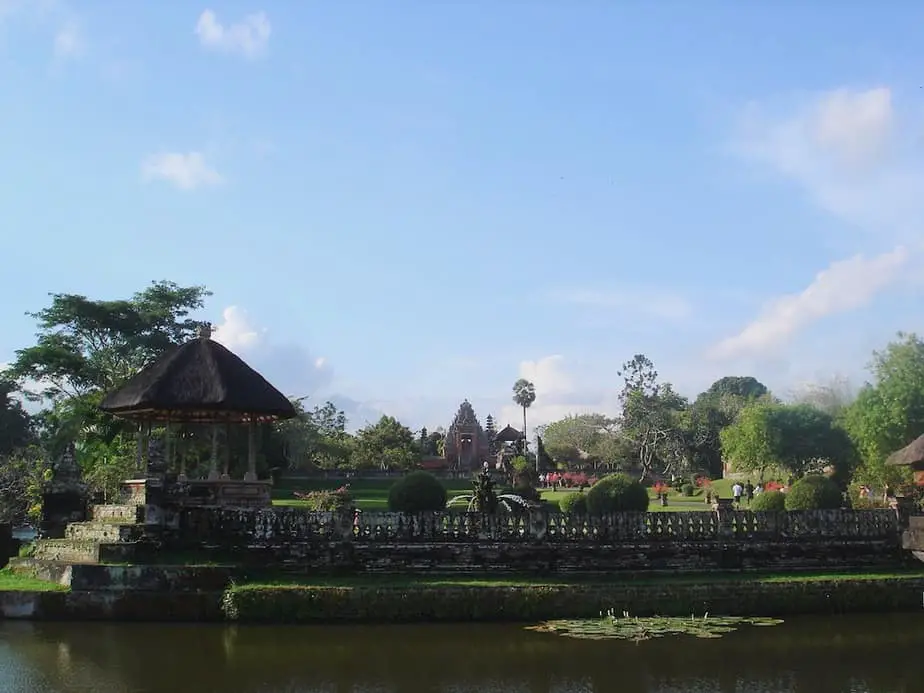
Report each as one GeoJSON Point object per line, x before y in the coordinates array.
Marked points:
{"type": "Point", "coordinates": [625, 627]}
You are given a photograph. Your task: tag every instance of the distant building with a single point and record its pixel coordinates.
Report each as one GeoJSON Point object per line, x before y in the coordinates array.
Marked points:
{"type": "Point", "coordinates": [467, 445]}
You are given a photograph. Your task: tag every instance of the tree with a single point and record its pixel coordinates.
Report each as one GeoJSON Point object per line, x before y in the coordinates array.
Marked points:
{"type": "Point", "coordinates": [387, 444]}
{"type": "Point", "coordinates": [651, 416]}
{"type": "Point", "coordinates": [89, 345]}
{"type": "Point", "coordinates": [316, 437]}
{"type": "Point", "coordinates": [712, 411]}
{"type": "Point", "coordinates": [577, 437]}
{"type": "Point", "coordinates": [15, 423]}
{"type": "Point", "coordinates": [524, 394]}
{"type": "Point", "coordinates": [888, 412]}
{"type": "Point", "coordinates": [797, 438]}
{"type": "Point", "coordinates": [832, 397]}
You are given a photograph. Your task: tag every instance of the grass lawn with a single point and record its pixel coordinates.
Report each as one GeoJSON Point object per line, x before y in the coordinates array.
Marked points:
{"type": "Point", "coordinates": [10, 581]}
{"type": "Point", "coordinates": [372, 494]}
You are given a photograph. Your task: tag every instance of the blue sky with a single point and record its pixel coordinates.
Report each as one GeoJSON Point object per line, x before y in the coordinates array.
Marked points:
{"type": "Point", "coordinates": [401, 205]}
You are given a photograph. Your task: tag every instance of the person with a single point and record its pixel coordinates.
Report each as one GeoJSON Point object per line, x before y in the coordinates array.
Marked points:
{"type": "Point", "coordinates": [737, 490]}
{"type": "Point", "coordinates": [759, 488]}
{"type": "Point", "coordinates": [749, 491]}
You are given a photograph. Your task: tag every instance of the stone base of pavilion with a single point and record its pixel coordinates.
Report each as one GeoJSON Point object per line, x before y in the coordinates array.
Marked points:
{"type": "Point", "coordinates": [221, 492]}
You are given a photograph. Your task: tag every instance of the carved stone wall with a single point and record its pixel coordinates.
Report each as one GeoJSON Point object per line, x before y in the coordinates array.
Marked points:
{"type": "Point", "coordinates": [468, 542]}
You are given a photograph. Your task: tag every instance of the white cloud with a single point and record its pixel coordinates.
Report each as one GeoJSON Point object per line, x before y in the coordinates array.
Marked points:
{"type": "Point", "coordinates": [851, 154]}
{"type": "Point", "coordinates": [650, 302]}
{"type": "Point", "coordinates": [291, 368]}
{"type": "Point", "coordinates": [186, 171]}
{"type": "Point", "coordinates": [850, 151]}
{"type": "Point", "coordinates": [248, 38]}
{"type": "Point", "coordinates": [557, 395]}
{"type": "Point", "coordinates": [68, 37]}
{"type": "Point", "coordinates": [844, 286]}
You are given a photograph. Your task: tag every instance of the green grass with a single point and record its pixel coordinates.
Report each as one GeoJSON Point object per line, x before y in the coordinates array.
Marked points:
{"type": "Point", "coordinates": [410, 582]}
{"type": "Point", "coordinates": [10, 581]}
{"type": "Point", "coordinates": [372, 494]}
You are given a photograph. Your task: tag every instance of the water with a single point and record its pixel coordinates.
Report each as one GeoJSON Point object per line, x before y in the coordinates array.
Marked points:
{"type": "Point", "coordinates": [870, 654]}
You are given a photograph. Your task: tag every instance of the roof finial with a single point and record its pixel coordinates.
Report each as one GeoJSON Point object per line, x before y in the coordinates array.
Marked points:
{"type": "Point", "coordinates": [204, 331]}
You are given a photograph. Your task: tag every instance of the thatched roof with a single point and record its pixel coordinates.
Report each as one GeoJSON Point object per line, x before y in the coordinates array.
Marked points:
{"type": "Point", "coordinates": [911, 454]}
{"type": "Point", "coordinates": [199, 381]}
{"type": "Point", "coordinates": [508, 434]}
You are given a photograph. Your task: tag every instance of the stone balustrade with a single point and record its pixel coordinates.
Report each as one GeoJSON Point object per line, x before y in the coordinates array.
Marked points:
{"type": "Point", "coordinates": [281, 525]}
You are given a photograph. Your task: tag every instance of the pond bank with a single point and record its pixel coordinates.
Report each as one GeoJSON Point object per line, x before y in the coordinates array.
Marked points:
{"type": "Point", "coordinates": [382, 599]}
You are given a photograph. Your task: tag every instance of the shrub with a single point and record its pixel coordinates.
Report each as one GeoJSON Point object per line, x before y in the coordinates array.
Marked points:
{"type": "Point", "coordinates": [814, 492]}
{"type": "Point", "coordinates": [615, 493]}
{"type": "Point", "coordinates": [327, 501]}
{"type": "Point", "coordinates": [769, 501]}
{"type": "Point", "coordinates": [687, 490]}
{"type": "Point", "coordinates": [418, 492]}
{"type": "Point", "coordinates": [527, 492]}
{"type": "Point", "coordinates": [573, 504]}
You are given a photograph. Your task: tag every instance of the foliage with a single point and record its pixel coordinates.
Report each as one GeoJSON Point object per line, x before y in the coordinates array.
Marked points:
{"type": "Point", "coordinates": [814, 492]}
{"type": "Point", "coordinates": [615, 493]}
{"type": "Point", "coordinates": [614, 627]}
{"type": "Point", "coordinates": [798, 438]}
{"type": "Point", "coordinates": [767, 501]}
{"type": "Point", "coordinates": [15, 424]}
{"type": "Point", "coordinates": [105, 465]}
{"type": "Point", "coordinates": [335, 500]}
{"type": "Point", "coordinates": [573, 504]}
{"type": "Point", "coordinates": [22, 475]}
{"type": "Point", "coordinates": [888, 413]}
{"type": "Point", "coordinates": [650, 418]}
{"type": "Point", "coordinates": [387, 444]}
{"type": "Point", "coordinates": [687, 490]}
{"type": "Point", "coordinates": [416, 493]}
{"type": "Point", "coordinates": [316, 438]}
{"type": "Point", "coordinates": [577, 437]}
{"type": "Point", "coordinates": [524, 394]}
{"type": "Point", "coordinates": [87, 345]}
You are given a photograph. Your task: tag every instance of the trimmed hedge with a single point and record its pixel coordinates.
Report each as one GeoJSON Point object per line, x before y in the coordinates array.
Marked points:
{"type": "Point", "coordinates": [418, 492]}
{"type": "Point", "coordinates": [617, 493]}
{"type": "Point", "coordinates": [531, 603]}
{"type": "Point", "coordinates": [814, 492]}
{"type": "Point", "coordinates": [769, 501]}
{"type": "Point", "coordinates": [573, 504]}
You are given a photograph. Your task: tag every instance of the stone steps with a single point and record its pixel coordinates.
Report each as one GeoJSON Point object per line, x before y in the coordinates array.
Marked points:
{"type": "Point", "coordinates": [103, 532]}
{"type": "Point", "coordinates": [118, 514]}
{"type": "Point", "coordinates": [66, 551]}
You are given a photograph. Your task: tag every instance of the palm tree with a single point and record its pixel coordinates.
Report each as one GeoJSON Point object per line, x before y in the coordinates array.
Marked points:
{"type": "Point", "coordinates": [524, 394]}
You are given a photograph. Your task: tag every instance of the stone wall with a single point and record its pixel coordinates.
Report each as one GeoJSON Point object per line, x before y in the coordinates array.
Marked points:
{"type": "Point", "coordinates": [298, 540]}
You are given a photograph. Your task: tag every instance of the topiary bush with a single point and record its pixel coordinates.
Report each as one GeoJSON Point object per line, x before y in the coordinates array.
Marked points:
{"type": "Point", "coordinates": [573, 504]}
{"type": "Point", "coordinates": [687, 490]}
{"type": "Point", "coordinates": [769, 501]}
{"type": "Point", "coordinates": [814, 492]}
{"type": "Point", "coordinates": [418, 492]}
{"type": "Point", "coordinates": [616, 493]}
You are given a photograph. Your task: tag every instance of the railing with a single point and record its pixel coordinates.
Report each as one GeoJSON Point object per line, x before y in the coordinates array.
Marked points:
{"type": "Point", "coordinates": [293, 524]}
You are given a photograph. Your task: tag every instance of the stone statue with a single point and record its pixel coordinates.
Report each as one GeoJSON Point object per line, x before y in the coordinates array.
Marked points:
{"type": "Point", "coordinates": [157, 458]}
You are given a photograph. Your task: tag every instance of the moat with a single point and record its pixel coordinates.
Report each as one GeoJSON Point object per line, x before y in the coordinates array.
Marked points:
{"type": "Point", "coordinates": [855, 654]}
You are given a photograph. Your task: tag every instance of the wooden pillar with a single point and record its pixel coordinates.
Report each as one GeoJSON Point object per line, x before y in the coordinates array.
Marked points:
{"type": "Point", "coordinates": [168, 445]}
{"type": "Point", "coordinates": [139, 448]}
{"type": "Point", "coordinates": [182, 451]}
{"type": "Point", "coordinates": [213, 459]}
{"type": "Point", "coordinates": [227, 462]}
{"type": "Point", "coordinates": [251, 474]}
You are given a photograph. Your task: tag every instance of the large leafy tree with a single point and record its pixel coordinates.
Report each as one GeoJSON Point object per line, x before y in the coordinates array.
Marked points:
{"type": "Point", "coordinates": [387, 444]}
{"type": "Point", "coordinates": [712, 411]}
{"type": "Point", "coordinates": [86, 347]}
{"type": "Point", "coordinates": [888, 412]}
{"type": "Point", "coordinates": [577, 437]}
{"type": "Point", "coordinates": [15, 423]}
{"type": "Point", "coordinates": [797, 438]}
{"type": "Point", "coordinates": [651, 418]}
{"type": "Point", "coordinates": [314, 438]}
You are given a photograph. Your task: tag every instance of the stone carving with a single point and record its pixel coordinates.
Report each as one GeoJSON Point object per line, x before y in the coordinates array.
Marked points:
{"type": "Point", "coordinates": [65, 473]}
{"type": "Point", "coordinates": [157, 458]}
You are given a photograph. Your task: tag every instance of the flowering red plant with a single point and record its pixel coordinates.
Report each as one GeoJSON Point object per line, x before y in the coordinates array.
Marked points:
{"type": "Point", "coordinates": [703, 482]}
{"type": "Point", "coordinates": [773, 486]}
{"type": "Point", "coordinates": [661, 488]}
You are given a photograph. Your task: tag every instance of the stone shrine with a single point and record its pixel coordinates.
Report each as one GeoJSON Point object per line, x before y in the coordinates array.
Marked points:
{"type": "Point", "coordinates": [467, 445]}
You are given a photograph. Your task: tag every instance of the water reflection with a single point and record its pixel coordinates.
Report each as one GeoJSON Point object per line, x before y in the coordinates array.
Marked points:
{"type": "Point", "coordinates": [833, 655]}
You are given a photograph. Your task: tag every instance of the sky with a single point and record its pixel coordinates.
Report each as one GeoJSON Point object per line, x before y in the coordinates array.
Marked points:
{"type": "Point", "coordinates": [401, 205]}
